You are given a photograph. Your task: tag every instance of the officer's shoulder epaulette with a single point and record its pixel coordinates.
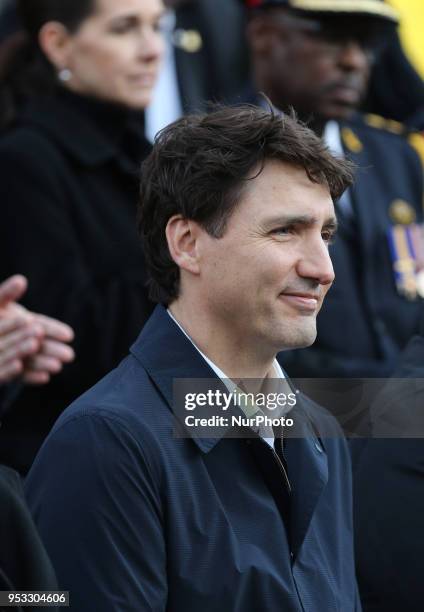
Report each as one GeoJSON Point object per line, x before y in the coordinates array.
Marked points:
{"type": "Point", "coordinates": [388, 125]}
{"type": "Point", "coordinates": [415, 139]}
{"type": "Point", "coordinates": [362, 127]}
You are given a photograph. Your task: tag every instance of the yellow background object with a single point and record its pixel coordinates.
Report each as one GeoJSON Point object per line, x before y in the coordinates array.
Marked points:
{"type": "Point", "coordinates": [412, 30]}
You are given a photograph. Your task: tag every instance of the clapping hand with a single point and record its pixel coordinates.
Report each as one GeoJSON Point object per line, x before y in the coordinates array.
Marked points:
{"type": "Point", "coordinates": [32, 346]}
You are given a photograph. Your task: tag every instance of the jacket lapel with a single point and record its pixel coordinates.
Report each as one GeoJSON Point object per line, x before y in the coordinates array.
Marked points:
{"type": "Point", "coordinates": [168, 356]}
{"type": "Point", "coordinates": [308, 472]}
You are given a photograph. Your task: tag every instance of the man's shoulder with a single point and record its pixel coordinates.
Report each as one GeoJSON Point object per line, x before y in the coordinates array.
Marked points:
{"type": "Point", "coordinates": [119, 431]}
{"type": "Point", "coordinates": [125, 397]}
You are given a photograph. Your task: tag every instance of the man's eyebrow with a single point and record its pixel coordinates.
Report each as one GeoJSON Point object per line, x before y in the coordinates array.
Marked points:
{"type": "Point", "coordinates": [307, 220]}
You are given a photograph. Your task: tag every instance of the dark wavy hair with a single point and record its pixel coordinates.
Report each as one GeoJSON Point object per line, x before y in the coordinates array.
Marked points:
{"type": "Point", "coordinates": [199, 166]}
{"type": "Point", "coordinates": [24, 69]}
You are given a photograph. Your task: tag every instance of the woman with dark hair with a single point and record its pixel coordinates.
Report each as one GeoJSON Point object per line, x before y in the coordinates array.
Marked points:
{"type": "Point", "coordinates": [73, 88]}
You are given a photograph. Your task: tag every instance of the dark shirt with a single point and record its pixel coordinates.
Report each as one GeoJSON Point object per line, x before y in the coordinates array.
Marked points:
{"type": "Point", "coordinates": [69, 188]}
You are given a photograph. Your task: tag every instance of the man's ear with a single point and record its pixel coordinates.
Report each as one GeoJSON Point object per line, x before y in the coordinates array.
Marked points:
{"type": "Point", "coordinates": [55, 42]}
{"type": "Point", "coordinates": [260, 35]}
{"type": "Point", "coordinates": [182, 235]}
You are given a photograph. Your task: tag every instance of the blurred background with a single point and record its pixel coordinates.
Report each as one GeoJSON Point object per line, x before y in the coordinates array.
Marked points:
{"type": "Point", "coordinates": [411, 30]}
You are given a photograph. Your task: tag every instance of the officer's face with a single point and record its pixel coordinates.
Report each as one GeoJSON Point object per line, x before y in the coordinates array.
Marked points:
{"type": "Point", "coordinates": [319, 67]}
{"type": "Point", "coordinates": [265, 279]}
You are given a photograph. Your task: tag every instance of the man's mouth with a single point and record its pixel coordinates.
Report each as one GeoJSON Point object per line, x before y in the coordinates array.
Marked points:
{"type": "Point", "coordinates": [346, 95]}
{"type": "Point", "coordinates": [307, 302]}
{"type": "Point", "coordinates": [346, 92]}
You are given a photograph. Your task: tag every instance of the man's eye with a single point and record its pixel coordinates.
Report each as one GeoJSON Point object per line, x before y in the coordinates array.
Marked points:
{"type": "Point", "coordinates": [328, 237]}
{"type": "Point", "coordinates": [162, 26]}
{"type": "Point", "coordinates": [284, 231]}
{"type": "Point", "coordinates": [123, 26]}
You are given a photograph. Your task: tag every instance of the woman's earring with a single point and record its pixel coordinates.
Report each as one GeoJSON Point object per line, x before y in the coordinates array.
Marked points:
{"type": "Point", "coordinates": [65, 75]}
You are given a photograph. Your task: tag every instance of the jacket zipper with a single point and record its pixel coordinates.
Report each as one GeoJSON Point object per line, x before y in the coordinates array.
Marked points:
{"type": "Point", "coordinates": [283, 470]}
{"type": "Point", "coordinates": [280, 463]}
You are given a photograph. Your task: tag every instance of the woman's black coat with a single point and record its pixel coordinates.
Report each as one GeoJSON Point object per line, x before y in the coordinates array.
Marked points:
{"type": "Point", "coordinates": [68, 196]}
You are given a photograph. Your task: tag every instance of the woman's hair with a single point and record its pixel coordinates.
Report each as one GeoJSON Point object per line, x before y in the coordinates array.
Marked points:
{"type": "Point", "coordinates": [24, 69]}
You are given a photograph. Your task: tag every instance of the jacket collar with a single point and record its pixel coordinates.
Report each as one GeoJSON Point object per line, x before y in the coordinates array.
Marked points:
{"type": "Point", "coordinates": [90, 130]}
{"type": "Point", "coordinates": [167, 354]}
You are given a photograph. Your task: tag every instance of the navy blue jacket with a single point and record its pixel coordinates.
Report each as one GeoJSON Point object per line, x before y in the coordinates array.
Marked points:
{"type": "Point", "coordinates": [135, 519]}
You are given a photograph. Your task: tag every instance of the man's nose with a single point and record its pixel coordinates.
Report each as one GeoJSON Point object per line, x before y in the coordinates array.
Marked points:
{"type": "Point", "coordinates": [315, 264]}
{"type": "Point", "coordinates": [353, 57]}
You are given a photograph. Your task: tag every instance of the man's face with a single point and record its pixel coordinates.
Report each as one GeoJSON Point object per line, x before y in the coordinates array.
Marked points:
{"type": "Point", "coordinates": [320, 67]}
{"type": "Point", "coordinates": [264, 281]}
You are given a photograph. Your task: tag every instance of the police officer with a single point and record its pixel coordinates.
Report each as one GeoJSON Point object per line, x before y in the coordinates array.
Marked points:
{"type": "Point", "coordinates": [316, 56]}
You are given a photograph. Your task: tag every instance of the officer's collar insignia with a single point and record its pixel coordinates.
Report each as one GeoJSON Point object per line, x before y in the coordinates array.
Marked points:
{"type": "Point", "coordinates": [187, 40]}
{"type": "Point", "coordinates": [351, 140]}
{"type": "Point", "coordinates": [401, 212]}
